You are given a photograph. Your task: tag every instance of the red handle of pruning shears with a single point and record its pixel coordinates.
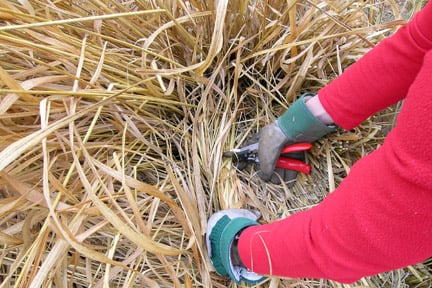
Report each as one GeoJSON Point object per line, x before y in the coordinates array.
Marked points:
{"type": "Point", "coordinates": [294, 164]}
{"type": "Point", "coordinates": [297, 147]}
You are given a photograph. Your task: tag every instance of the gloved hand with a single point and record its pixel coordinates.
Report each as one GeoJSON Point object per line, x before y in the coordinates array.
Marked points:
{"type": "Point", "coordinates": [223, 229]}
{"type": "Point", "coordinates": [297, 124]}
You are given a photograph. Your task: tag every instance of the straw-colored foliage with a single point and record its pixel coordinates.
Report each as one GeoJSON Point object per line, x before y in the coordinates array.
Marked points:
{"type": "Point", "coordinates": [114, 115]}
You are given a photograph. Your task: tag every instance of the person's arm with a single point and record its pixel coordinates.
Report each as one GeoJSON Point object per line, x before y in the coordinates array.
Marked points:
{"type": "Point", "coordinates": [382, 76]}
{"type": "Point", "coordinates": [317, 109]}
{"type": "Point", "coordinates": [378, 219]}
{"type": "Point", "coordinates": [377, 80]}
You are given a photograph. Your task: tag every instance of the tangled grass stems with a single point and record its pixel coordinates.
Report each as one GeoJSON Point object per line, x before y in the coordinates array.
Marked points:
{"type": "Point", "coordinates": [114, 116]}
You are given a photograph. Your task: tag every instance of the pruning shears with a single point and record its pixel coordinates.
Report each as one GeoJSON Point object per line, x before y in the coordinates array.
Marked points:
{"type": "Point", "coordinates": [250, 154]}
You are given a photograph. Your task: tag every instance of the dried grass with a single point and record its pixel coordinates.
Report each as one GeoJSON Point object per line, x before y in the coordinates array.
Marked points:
{"type": "Point", "coordinates": [114, 116]}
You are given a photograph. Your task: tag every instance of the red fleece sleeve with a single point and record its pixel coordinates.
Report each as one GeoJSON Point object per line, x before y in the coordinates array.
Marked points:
{"type": "Point", "coordinates": [378, 219]}
{"type": "Point", "coordinates": [382, 76]}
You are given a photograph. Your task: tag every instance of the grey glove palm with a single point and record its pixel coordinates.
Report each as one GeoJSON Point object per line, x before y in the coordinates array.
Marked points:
{"type": "Point", "coordinates": [271, 142]}
{"type": "Point", "coordinates": [297, 124]}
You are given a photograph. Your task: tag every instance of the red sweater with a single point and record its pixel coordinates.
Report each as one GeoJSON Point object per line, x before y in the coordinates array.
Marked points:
{"type": "Point", "coordinates": [380, 216]}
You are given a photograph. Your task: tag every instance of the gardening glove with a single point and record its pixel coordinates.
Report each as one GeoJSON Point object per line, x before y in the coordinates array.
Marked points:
{"type": "Point", "coordinates": [297, 124]}
{"type": "Point", "coordinates": [223, 230]}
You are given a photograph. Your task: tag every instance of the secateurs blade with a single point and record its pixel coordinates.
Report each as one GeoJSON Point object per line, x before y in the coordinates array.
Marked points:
{"type": "Point", "coordinates": [250, 154]}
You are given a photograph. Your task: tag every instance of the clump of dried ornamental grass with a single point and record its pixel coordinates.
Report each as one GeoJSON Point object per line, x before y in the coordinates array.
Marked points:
{"type": "Point", "coordinates": [114, 116]}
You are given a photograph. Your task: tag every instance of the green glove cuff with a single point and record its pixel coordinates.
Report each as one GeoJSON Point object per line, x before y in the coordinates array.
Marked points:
{"type": "Point", "coordinates": [222, 238]}
{"type": "Point", "coordinates": [300, 125]}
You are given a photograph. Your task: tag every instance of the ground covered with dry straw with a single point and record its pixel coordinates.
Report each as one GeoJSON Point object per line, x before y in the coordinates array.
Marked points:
{"type": "Point", "coordinates": [114, 116]}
